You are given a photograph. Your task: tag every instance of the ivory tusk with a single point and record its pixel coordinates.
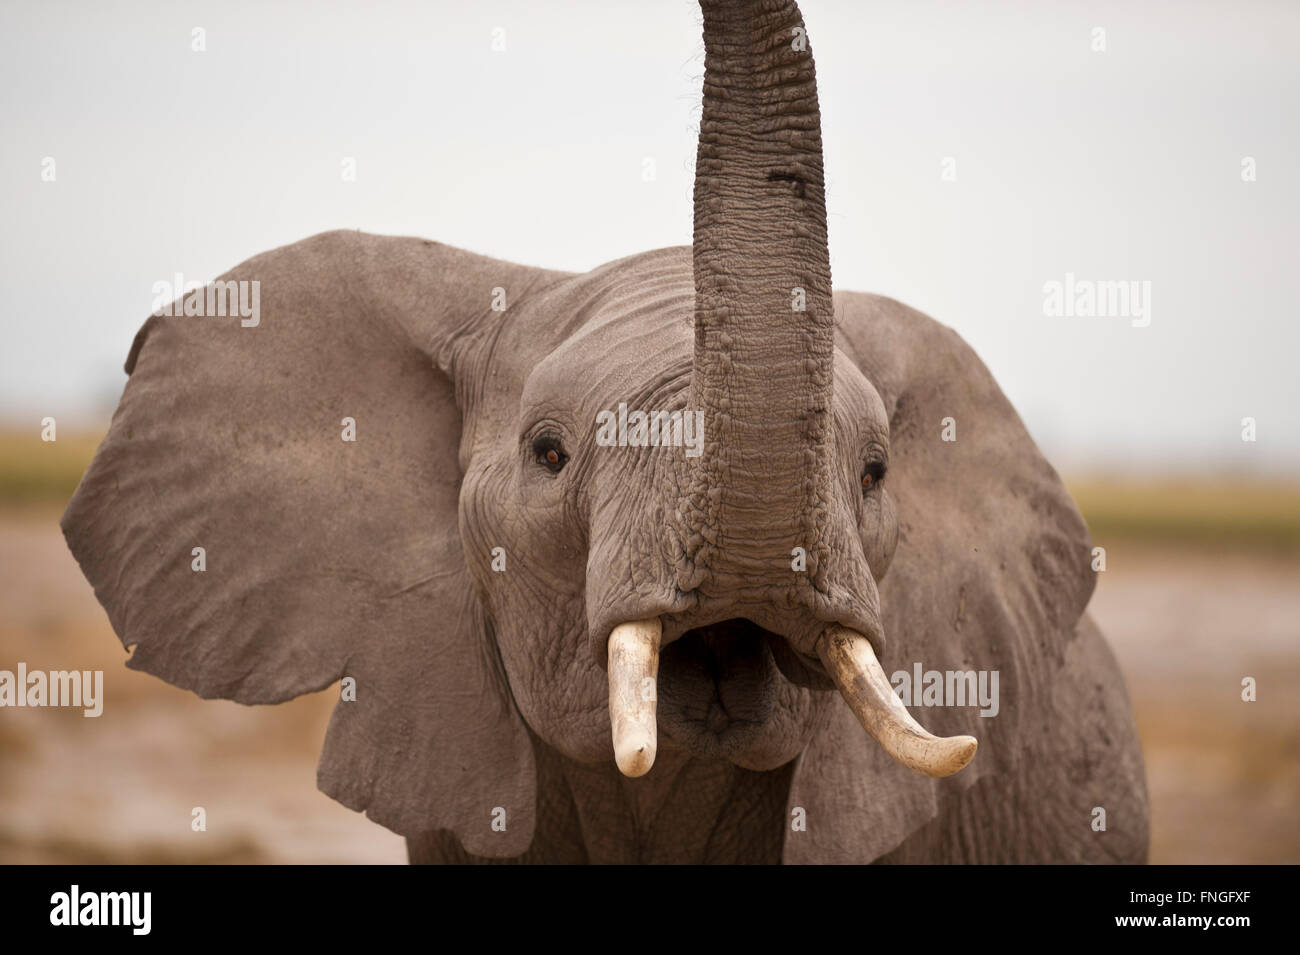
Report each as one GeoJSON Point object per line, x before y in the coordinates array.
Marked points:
{"type": "Point", "coordinates": [852, 664]}
{"type": "Point", "coordinates": [633, 691]}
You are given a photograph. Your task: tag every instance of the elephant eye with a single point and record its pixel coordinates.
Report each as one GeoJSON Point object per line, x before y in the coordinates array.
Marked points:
{"type": "Point", "coordinates": [549, 452]}
{"type": "Point", "coordinates": [873, 475]}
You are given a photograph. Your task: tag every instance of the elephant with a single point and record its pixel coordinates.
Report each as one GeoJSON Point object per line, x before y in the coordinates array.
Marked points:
{"type": "Point", "coordinates": [615, 566]}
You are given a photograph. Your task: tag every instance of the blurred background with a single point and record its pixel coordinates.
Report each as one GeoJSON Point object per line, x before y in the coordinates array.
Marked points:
{"type": "Point", "coordinates": [974, 153]}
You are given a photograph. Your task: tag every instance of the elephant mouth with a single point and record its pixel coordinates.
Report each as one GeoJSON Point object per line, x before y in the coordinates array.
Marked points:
{"type": "Point", "coordinates": [732, 689]}
{"type": "Point", "coordinates": [721, 686]}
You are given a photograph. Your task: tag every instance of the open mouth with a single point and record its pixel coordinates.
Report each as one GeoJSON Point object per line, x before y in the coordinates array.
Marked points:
{"type": "Point", "coordinates": [735, 690]}
{"type": "Point", "coordinates": [720, 684]}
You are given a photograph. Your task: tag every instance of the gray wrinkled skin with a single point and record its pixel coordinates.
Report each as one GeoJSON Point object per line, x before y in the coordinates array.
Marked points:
{"type": "Point", "coordinates": [469, 588]}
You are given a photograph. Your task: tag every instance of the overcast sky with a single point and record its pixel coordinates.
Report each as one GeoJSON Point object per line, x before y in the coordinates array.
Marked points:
{"type": "Point", "coordinates": [1117, 165]}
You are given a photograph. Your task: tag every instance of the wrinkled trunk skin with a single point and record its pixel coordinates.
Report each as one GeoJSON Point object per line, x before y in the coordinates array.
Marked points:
{"type": "Point", "coordinates": [762, 370]}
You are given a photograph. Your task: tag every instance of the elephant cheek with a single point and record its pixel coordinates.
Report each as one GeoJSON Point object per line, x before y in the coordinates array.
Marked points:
{"type": "Point", "coordinates": [561, 694]}
{"type": "Point", "coordinates": [879, 533]}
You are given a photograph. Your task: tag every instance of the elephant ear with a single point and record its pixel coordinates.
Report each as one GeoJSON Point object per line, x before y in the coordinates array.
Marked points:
{"type": "Point", "coordinates": [322, 558]}
{"type": "Point", "coordinates": [992, 573]}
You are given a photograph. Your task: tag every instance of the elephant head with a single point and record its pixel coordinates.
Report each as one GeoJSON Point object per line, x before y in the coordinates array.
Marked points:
{"type": "Point", "coordinates": [539, 516]}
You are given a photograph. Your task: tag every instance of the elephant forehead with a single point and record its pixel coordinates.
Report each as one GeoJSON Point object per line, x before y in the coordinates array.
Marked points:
{"type": "Point", "coordinates": [859, 409]}
{"type": "Point", "coordinates": [635, 340]}
{"type": "Point", "coordinates": [624, 332]}
{"type": "Point", "coordinates": [617, 360]}
{"type": "Point", "coordinates": [644, 360]}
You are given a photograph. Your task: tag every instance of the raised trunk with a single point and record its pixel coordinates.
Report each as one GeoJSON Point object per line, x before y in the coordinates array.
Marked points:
{"type": "Point", "coordinates": [764, 325]}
